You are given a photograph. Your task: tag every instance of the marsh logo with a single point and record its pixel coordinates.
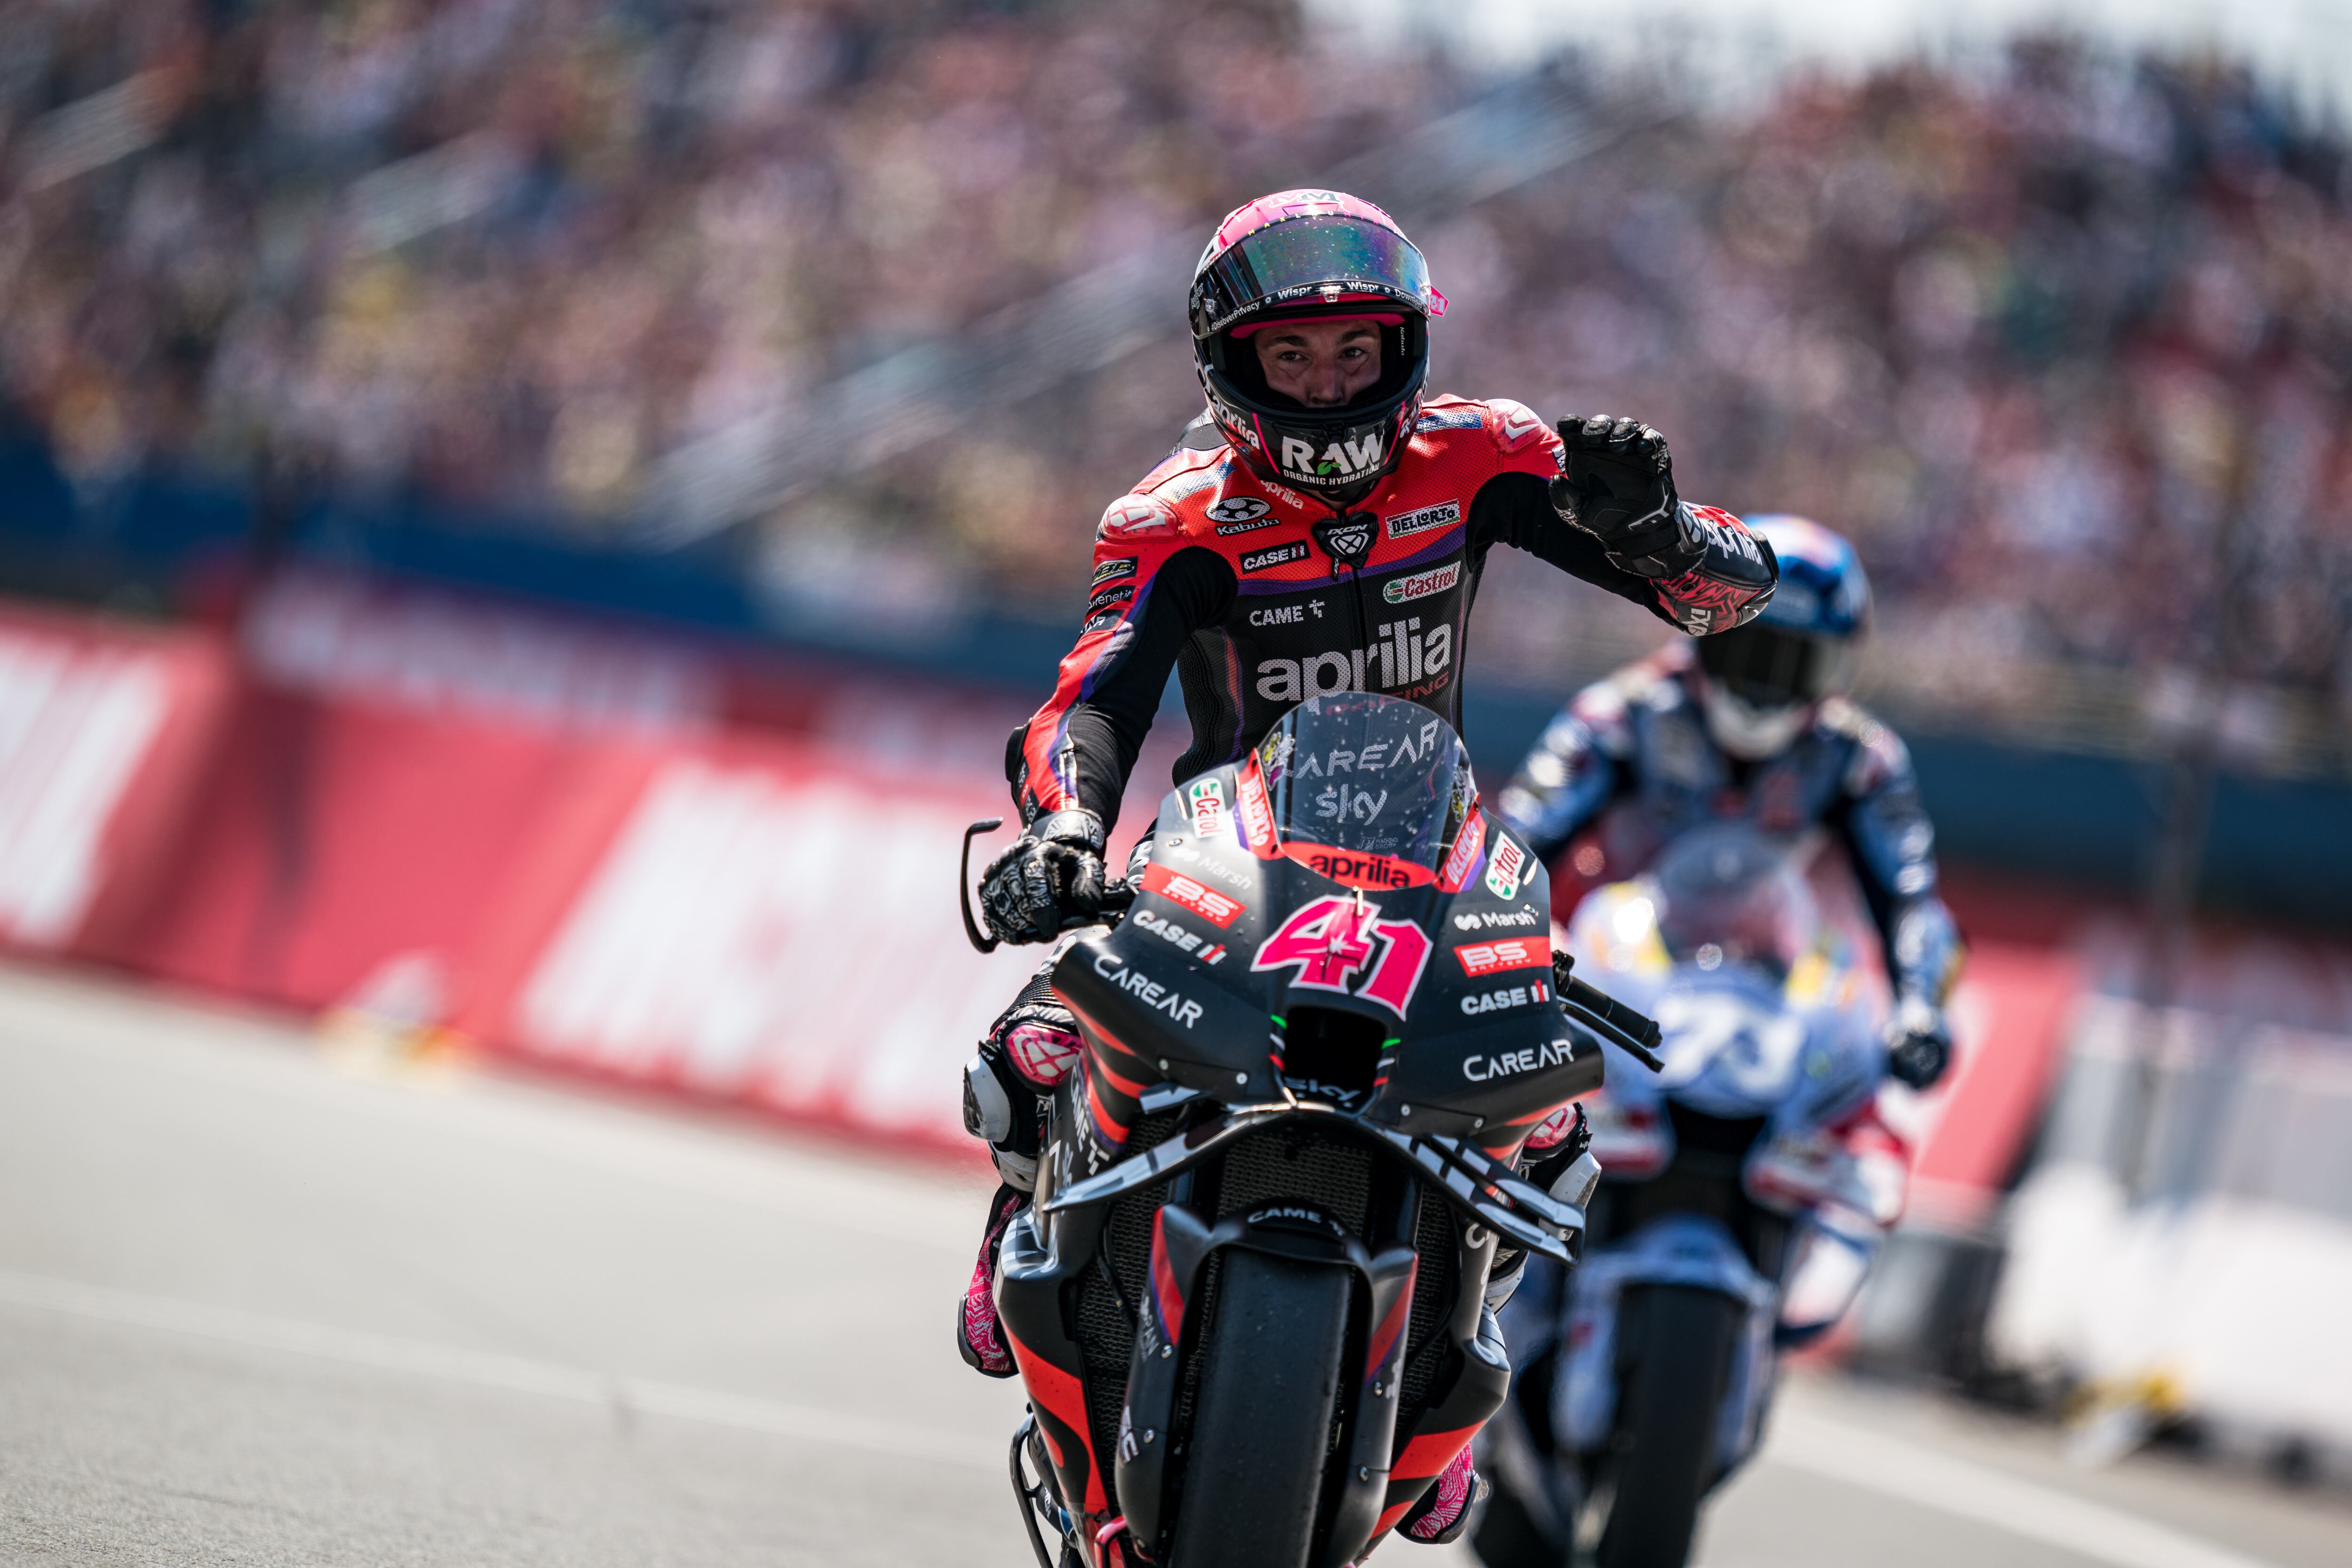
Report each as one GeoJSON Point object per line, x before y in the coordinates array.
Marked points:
{"type": "Point", "coordinates": [1445, 514]}
{"type": "Point", "coordinates": [1422, 584]}
{"type": "Point", "coordinates": [1279, 555]}
{"type": "Point", "coordinates": [1338, 460]}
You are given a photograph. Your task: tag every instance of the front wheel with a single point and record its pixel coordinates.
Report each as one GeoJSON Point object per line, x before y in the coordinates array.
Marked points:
{"type": "Point", "coordinates": [1254, 1468]}
{"type": "Point", "coordinates": [1677, 1345]}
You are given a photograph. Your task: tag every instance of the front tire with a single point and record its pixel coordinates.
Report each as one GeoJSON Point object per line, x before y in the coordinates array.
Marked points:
{"type": "Point", "coordinates": [1681, 1343]}
{"type": "Point", "coordinates": [1269, 1382]}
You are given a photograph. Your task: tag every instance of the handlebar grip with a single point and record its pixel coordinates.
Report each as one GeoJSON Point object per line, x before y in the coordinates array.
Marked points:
{"type": "Point", "coordinates": [1118, 898]}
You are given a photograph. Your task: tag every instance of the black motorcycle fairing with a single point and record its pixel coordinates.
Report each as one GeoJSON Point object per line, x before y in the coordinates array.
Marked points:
{"type": "Point", "coordinates": [1223, 945]}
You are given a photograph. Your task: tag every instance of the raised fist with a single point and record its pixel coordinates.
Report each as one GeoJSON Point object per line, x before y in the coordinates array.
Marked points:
{"type": "Point", "coordinates": [1617, 483]}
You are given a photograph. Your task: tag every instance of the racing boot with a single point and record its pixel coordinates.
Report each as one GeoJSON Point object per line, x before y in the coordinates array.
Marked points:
{"type": "Point", "coordinates": [1444, 1512]}
{"type": "Point", "coordinates": [1033, 1044]}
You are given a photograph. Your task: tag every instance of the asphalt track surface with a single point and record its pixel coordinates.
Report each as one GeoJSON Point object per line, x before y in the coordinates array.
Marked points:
{"type": "Point", "coordinates": [261, 1304]}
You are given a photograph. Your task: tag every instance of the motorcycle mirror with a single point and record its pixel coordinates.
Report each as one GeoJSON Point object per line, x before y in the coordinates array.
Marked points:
{"type": "Point", "coordinates": [971, 930]}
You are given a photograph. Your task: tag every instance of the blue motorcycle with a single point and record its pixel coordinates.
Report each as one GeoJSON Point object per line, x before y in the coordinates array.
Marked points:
{"type": "Point", "coordinates": [1746, 1188]}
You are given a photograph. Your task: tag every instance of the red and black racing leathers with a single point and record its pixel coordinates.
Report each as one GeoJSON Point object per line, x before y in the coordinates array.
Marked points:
{"type": "Point", "coordinates": [1208, 568]}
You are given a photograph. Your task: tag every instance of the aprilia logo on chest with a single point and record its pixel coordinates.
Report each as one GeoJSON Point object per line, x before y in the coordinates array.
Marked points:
{"type": "Point", "coordinates": [1402, 655]}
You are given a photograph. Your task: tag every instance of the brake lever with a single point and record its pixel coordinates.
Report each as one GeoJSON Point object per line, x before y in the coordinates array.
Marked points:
{"type": "Point", "coordinates": [1635, 1033]}
{"type": "Point", "coordinates": [972, 932]}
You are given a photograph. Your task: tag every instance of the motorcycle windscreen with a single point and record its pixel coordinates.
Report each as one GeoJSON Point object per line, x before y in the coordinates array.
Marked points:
{"type": "Point", "coordinates": [1367, 775]}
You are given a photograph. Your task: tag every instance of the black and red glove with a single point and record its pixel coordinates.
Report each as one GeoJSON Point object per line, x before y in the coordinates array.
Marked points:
{"type": "Point", "coordinates": [1617, 483]}
{"type": "Point", "coordinates": [1052, 872]}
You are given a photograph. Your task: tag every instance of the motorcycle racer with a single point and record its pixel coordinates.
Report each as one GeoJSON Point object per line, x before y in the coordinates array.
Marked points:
{"type": "Point", "coordinates": [1757, 724]}
{"type": "Point", "coordinates": [1320, 528]}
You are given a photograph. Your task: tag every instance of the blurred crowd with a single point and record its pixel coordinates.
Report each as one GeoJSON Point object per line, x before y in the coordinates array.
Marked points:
{"type": "Point", "coordinates": [2062, 338]}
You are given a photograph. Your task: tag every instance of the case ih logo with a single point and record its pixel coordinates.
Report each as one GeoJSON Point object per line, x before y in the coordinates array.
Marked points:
{"type": "Point", "coordinates": [1515, 953]}
{"type": "Point", "coordinates": [1334, 940]}
{"type": "Point", "coordinates": [1178, 889]}
{"type": "Point", "coordinates": [1280, 555]}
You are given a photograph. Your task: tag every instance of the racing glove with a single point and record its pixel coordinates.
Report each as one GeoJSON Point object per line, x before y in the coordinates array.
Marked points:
{"type": "Point", "coordinates": [1052, 872]}
{"type": "Point", "coordinates": [1919, 1045]}
{"type": "Point", "coordinates": [1617, 483]}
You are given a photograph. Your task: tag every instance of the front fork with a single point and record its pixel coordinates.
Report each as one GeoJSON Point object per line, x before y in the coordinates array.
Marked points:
{"type": "Point", "coordinates": [1386, 1470]}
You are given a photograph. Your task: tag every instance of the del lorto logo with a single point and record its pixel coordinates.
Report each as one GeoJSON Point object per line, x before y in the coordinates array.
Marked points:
{"type": "Point", "coordinates": [1445, 514]}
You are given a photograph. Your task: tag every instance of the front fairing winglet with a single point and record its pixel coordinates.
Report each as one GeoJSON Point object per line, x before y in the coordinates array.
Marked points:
{"type": "Point", "coordinates": [1478, 1187]}
{"type": "Point", "coordinates": [1164, 1160]}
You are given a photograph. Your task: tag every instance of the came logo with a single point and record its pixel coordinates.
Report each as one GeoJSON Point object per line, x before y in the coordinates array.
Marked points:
{"type": "Point", "coordinates": [1422, 584]}
{"type": "Point", "coordinates": [1445, 514]}
{"type": "Point", "coordinates": [1279, 555]}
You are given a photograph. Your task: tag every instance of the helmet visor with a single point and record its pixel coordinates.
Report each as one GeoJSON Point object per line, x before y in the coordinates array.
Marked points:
{"type": "Point", "coordinates": [1287, 262]}
{"type": "Point", "coordinates": [1771, 665]}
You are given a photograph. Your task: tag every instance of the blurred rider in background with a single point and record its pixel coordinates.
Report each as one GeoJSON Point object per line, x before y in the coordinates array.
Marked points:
{"type": "Point", "coordinates": [1756, 724]}
{"type": "Point", "coordinates": [1320, 528]}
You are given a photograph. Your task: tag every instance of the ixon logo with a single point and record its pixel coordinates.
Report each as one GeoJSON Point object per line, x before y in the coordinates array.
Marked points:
{"type": "Point", "coordinates": [1339, 460]}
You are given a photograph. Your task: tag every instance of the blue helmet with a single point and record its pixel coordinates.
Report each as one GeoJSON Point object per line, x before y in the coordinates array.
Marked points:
{"type": "Point", "coordinates": [1823, 590]}
{"type": "Point", "coordinates": [1761, 680]}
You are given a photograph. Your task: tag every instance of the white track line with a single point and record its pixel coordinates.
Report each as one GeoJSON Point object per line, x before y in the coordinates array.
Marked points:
{"type": "Point", "coordinates": [1801, 1440]}
{"type": "Point", "coordinates": [488, 1369]}
{"type": "Point", "coordinates": [1893, 1468]}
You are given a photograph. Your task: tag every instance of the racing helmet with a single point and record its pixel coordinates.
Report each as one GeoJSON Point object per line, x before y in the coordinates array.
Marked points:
{"type": "Point", "coordinates": [1761, 681]}
{"type": "Point", "coordinates": [1307, 255]}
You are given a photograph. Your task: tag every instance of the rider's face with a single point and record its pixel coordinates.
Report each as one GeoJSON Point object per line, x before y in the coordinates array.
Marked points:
{"type": "Point", "coordinates": [1320, 363]}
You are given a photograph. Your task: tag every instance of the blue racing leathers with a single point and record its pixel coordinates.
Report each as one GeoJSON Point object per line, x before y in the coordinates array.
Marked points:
{"type": "Point", "coordinates": [1631, 758]}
